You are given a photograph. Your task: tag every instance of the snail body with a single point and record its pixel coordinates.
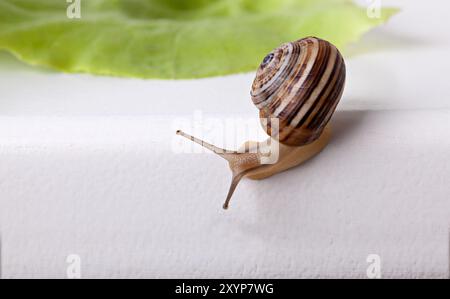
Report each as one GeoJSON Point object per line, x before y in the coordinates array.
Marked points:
{"type": "Point", "coordinates": [290, 156]}
{"type": "Point", "coordinates": [297, 88]}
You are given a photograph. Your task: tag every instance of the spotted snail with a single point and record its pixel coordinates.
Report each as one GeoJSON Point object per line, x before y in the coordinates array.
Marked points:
{"type": "Point", "coordinates": [296, 89]}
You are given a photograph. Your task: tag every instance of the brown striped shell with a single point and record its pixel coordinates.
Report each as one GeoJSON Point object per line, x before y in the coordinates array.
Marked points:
{"type": "Point", "coordinates": [300, 83]}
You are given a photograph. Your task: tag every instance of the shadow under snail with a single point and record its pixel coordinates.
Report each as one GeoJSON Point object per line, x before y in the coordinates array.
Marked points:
{"type": "Point", "coordinates": [299, 84]}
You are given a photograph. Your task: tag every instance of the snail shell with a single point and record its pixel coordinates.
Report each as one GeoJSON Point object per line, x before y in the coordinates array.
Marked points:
{"type": "Point", "coordinates": [300, 83]}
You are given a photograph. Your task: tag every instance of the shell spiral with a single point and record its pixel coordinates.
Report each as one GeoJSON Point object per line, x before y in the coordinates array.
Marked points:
{"type": "Point", "coordinates": [300, 84]}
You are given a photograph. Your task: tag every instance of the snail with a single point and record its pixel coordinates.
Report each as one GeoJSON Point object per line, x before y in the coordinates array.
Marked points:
{"type": "Point", "coordinates": [299, 84]}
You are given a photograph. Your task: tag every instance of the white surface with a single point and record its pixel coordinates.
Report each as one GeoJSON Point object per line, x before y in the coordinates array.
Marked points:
{"type": "Point", "coordinates": [88, 167]}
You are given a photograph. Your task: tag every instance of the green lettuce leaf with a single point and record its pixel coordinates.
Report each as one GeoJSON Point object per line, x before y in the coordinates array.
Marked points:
{"type": "Point", "coordinates": [171, 38]}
